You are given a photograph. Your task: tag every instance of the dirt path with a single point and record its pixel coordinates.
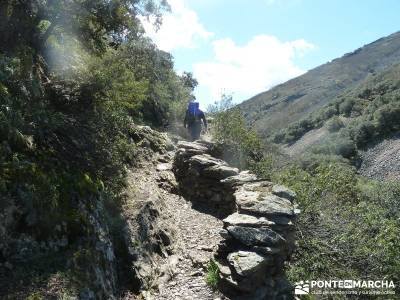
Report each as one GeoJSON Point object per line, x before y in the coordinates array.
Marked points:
{"type": "Point", "coordinates": [196, 236]}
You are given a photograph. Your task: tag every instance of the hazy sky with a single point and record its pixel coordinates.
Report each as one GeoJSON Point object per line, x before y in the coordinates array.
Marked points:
{"type": "Point", "coordinates": [245, 47]}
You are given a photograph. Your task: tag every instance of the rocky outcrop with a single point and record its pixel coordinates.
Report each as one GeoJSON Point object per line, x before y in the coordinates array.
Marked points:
{"type": "Point", "coordinates": [148, 237]}
{"type": "Point", "coordinates": [109, 246]}
{"type": "Point", "coordinates": [258, 222]}
{"type": "Point", "coordinates": [199, 175]}
{"type": "Point", "coordinates": [259, 238]}
{"type": "Point", "coordinates": [93, 252]}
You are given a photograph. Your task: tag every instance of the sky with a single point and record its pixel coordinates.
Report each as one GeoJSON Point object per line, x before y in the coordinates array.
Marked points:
{"type": "Point", "coordinates": [243, 48]}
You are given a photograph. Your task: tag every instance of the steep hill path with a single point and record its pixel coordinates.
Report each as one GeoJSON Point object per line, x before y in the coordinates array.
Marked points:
{"type": "Point", "coordinates": [197, 238]}
{"type": "Point", "coordinates": [182, 272]}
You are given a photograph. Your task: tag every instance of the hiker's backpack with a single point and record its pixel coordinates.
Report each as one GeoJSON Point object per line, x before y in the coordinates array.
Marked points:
{"type": "Point", "coordinates": [193, 113]}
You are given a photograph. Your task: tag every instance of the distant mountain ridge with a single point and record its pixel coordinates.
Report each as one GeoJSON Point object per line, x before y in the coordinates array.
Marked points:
{"type": "Point", "coordinates": [291, 101]}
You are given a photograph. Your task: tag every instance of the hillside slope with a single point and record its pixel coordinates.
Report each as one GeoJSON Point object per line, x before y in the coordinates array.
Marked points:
{"type": "Point", "coordinates": [382, 161]}
{"type": "Point", "coordinates": [272, 110]}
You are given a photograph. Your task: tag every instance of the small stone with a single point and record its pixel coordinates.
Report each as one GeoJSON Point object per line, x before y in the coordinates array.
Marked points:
{"type": "Point", "coordinates": [241, 178]}
{"type": "Point", "coordinates": [164, 167]}
{"type": "Point", "coordinates": [283, 192]}
{"type": "Point", "coordinates": [237, 219]}
{"type": "Point", "coordinates": [192, 146]}
{"type": "Point", "coordinates": [247, 262]}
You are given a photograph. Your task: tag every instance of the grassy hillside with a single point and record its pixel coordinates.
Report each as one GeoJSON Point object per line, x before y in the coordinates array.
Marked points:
{"type": "Point", "coordinates": [348, 226]}
{"type": "Point", "coordinates": [357, 118]}
{"type": "Point", "coordinates": [271, 111]}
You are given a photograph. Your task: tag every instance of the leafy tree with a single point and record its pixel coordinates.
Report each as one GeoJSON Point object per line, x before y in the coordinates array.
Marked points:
{"type": "Point", "coordinates": [241, 146]}
{"type": "Point", "coordinates": [94, 23]}
{"type": "Point", "coordinates": [74, 75]}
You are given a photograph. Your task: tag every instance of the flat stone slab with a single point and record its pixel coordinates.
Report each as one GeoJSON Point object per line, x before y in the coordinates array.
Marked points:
{"type": "Point", "coordinates": [187, 153]}
{"type": "Point", "coordinates": [220, 171]}
{"type": "Point", "coordinates": [284, 192]}
{"type": "Point", "coordinates": [262, 203]}
{"type": "Point", "coordinates": [250, 236]}
{"type": "Point", "coordinates": [237, 219]}
{"type": "Point", "coordinates": [204, 161]}
{"type": "Point", "coordinates": [192, 146]}
{"type": "Point", "coordinates": [246, 263]}
{"type": "Point", "coordinates": [241, 178]}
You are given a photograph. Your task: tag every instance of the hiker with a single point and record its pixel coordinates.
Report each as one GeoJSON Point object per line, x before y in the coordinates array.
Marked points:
{"type": "Point", "coordinates": [193, 119]}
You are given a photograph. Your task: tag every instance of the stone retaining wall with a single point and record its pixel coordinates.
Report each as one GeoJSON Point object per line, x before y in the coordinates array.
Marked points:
{"type": "Point", "coordinates": [258, 221]}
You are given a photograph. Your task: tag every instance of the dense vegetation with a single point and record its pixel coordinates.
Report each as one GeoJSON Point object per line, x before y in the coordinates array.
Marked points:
{"type": "Point", "coordinates": [348, 226]}
{"type": "Point", "coordinates": [241, 146]}
{"type": "Point", "coordinates": [361, 115]}
{"type": "Point", "coordinates": [75, 78]}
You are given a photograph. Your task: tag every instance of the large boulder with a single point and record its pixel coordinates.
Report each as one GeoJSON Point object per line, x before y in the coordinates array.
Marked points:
{"type": "Point", "coordinates": [192, 146]}
{"type": "Point", "coordinates": [237, 219]}
{"type": "Point", "coordinates": [246, 263]}
{"type": "Point", "coordinates": [263, 205]}
{"type": "Point", "coordinates": [203, 161]}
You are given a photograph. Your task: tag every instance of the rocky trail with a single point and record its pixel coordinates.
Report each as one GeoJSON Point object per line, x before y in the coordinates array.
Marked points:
{"type": "Point", "coordinates": [182, 208]}
{"type": "Point", "coordinates": [194, 235]}
{"type": "Point", "coordinates": [186, 208]}
{"type": "Point", "coordinates": [197, 236]}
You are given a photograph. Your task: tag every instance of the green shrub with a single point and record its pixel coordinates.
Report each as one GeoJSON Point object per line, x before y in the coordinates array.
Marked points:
{"type": "Point", "coordinates": [388, 118]}
{"type": "Point", "coordinates": [346, 107]}
{"type": "Point", "coordinates": [334, 124]}
{"type": "Point", "coordinates": [212, 275]}
{"type": "Point", "coordinates": [364, 132]}
{"type": "Point", "coordinates": [348, 224]}
{"type": "Point", "coordinates": [36, 296]}
{"type": "Point", "coordinates": [329, 112]}
{"type": "Point", "coordinates": [241, 145]}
